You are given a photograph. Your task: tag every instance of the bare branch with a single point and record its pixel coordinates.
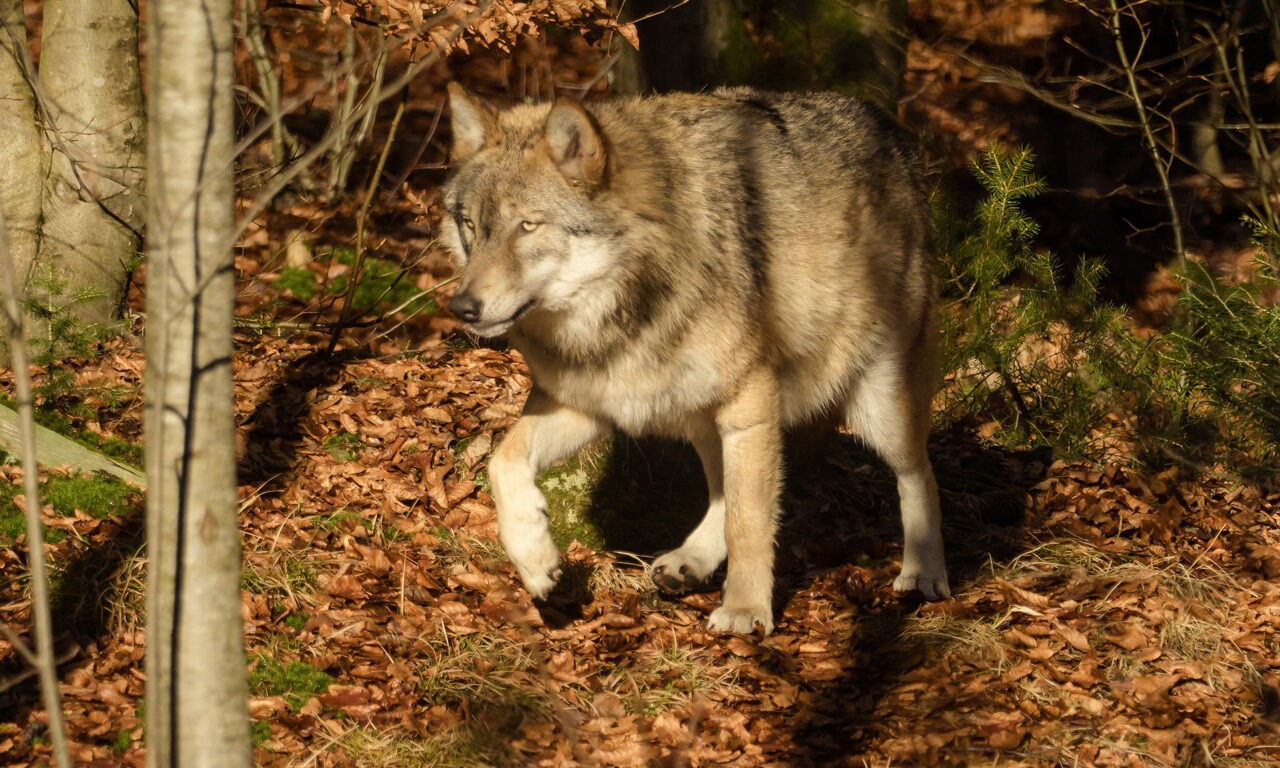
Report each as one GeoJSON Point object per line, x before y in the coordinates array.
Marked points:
{"type": "Point", "coordinates": [42, 618]}
{"type": "Point", "coordinates": [1148, 134]}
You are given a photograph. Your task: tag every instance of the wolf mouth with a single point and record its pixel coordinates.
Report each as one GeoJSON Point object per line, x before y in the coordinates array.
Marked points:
{"type": "Point", "coordinates": [496, 327]}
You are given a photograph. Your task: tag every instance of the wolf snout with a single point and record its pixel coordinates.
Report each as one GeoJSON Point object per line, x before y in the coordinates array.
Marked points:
{"type": "Point", "coordinates": [465, 307]}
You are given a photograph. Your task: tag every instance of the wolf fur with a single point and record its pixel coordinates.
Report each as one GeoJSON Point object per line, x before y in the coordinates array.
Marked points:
{"type": "Point", "coordinates": [716, 267]}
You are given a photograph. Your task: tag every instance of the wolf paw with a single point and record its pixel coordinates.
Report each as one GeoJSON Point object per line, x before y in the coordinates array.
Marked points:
{"type": "Point", "coordinates": [741, 621]}
{"type": "Point", "coordinates": [537, 560]}
{"type": "Point", "coordinates": [683, 570]}
{"type": "Point", "coordinates": [540, 583]}
{"type": "Point", "coordinates": [932, 586]}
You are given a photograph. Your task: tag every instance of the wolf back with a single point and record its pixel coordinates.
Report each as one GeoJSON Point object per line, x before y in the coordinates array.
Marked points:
{"type": "Point", "coordinates": [717, 267]}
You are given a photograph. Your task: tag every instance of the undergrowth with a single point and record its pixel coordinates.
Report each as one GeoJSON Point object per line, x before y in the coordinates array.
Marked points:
{"type": "Point", "coordinates": [381, 284]}
{"type": "Point", "coordinates": [1038, 359]}
{"type": "Point", "coordinates": [61, 333]}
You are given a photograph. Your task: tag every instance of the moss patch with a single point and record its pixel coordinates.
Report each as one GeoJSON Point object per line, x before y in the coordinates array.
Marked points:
{"type": "Point", "coordinates": [94, 496]}
{"type": "Point", "coordinates": [294, 681]}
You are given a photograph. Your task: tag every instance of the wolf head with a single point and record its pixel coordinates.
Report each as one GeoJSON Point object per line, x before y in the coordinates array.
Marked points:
{"type": "Point", "coordinates": [522, 218]}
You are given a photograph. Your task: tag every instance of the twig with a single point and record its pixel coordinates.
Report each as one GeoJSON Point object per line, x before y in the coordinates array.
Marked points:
{"type": "Point", "coordinates": [412, 164]}
{"type": "Point", "coordinates": [410, 300]}
{"type": "Point", "coordinates": [1148, 135]}
{"type": "Point", "coordinates": [31, 658]}
{"type": "Point", "coordinates": [283, 179]}
{"type": "Point", "coordinates": [1257, 144]}
{"type": "Point", "coordinates": [283, 144]}
{"type": "Point", "coordinates": [362, 217]}
{"type": "Point", "coordinates": [658, 12]}
{"type": "Point", "coordinates": [41, 615]}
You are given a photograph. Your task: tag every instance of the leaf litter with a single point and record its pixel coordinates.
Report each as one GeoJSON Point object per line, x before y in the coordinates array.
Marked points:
{"type": "Point", "coordinates": [1103, 616]}
{"type": "Point", "coordinates": [1115, 618]}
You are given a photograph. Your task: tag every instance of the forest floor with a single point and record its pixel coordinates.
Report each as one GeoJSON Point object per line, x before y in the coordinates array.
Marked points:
{"type": "Point", "coordinates": [1103, 615]}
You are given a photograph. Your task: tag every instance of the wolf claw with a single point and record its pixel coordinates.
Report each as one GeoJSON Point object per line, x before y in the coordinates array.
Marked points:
{"type": "Point", "coordinates": [683, 570]}
{"type": "Point", "coordinates": [933, 588]}
{"type": "Point", "coordinates": [540, 584]}
{"type": "Point", "coordinates": [740, 621]}
{"type": "Point", "coordinates": [536, 559]}
{"type": "Point", "coordinates": [676, 583]}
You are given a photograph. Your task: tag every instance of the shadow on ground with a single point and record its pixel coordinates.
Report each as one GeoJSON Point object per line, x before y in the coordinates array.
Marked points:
{"type": "Point", "coordinates": [275, 427]}
{"type": "Point", "coordinates": [840, 522]}
{"type": "Point", "coordinates": [95, 595]}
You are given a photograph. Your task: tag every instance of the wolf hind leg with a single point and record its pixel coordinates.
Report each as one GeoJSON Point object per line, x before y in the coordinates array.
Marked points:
{"type": "Point", "coordinates": [546, 432]}
{"type": "Point", "coordinates": [704, 549]}
{"type": "Point", "coordinates": [890, 412]}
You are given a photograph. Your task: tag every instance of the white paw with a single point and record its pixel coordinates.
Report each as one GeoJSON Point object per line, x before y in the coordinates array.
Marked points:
{"type": "Point", "coordinates": [741, 621]}
{"type": "Point", "coordinates": [685, 569]}
{"type": "Point", "coordinates": [536, 558]}
{"type": "Point", "coordinates": [932, 585]}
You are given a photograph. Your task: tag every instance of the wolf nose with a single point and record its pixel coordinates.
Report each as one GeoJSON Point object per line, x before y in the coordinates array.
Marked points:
{"type": "Point", "coordinates": [466, 307]}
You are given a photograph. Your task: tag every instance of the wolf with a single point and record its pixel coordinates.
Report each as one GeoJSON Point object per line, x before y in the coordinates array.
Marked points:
{"type": "Point", "coordinates": [717, 267]}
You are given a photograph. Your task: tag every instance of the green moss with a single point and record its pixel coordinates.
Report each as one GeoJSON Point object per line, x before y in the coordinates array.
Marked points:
{"type": "Point", "coordinates": [13, 523]}
{"type": "Point", "coordinates": [299, 281]}
{"type": "Point", "coordinates": [95, 496]}
{"type": "Point", "coordinates": [344, 446]}
{"type": "Point", "coordinates": [260, 731]}
{"type": "Point", "coordinates": [294, 681]}
{"type": "Point", "coordinates": [122, 742]}
{"type": "Point", "coordinates": [569, 488]}
{"type": "Point", "coordinates": [381, 283]}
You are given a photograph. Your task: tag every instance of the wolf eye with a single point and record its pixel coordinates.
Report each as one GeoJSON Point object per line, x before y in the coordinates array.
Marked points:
{"type": "Point", "coordinates": [469, 224]}
{"type": "Point", "coordinates": [529, 226]}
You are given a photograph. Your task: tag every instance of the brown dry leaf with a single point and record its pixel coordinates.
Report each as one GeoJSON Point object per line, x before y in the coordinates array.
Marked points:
{"type": "Point", "coordinates": [1004, 731]}
{"type": "Point", "coordinates": [628, 32]}
{"type": "Point", "coordinates": [1015, 595]}
{"type": "Point", "coordinates": [1073, 637]}
{"type": "Point", "coordinates": [1130, 637]}
{"type": "Point", "coordinates": [476, 450]}
{"type": "Point", "coordinates": [346, 586]}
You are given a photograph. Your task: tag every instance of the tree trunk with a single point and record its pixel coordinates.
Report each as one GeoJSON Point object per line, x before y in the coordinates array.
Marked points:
{"type": "Point", "coordinates": [197, 713]}
{"type": "Point", "coordinates": [23, 154]}
{"type": "Point", "coordinates": [92, 203]}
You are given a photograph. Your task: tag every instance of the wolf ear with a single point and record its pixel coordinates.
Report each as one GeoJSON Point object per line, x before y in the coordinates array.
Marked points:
{"type": "Point", "coordinates": [474, 123]}
{"type": "Point", "coordinates": [577, 148]}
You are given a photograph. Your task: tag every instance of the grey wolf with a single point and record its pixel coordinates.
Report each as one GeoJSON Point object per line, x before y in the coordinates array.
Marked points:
{"type": "Point", "coordinates": [715, 267]}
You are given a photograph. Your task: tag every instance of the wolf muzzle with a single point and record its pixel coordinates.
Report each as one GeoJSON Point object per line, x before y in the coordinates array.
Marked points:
{"type": "Point", "coordinates": [465, 307]}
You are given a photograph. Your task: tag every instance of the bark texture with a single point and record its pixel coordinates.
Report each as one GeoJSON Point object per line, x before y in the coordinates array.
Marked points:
{"type": "Point", "coordinates": [197, 693]}
{"type": "Point", "coordinates": [92, 203]}
{"type": "Point", "coordinates": [23, 153]}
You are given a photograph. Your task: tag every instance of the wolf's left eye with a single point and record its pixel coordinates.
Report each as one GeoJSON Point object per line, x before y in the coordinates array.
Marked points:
{"type": "Point", "coordinates": [469, 224]}
{"type": "Point", "coordinates": [529, 226]}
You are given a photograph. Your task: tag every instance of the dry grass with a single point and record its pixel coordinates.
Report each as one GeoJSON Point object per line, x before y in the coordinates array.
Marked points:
{"type": "Point", "coordinates": [126, 607]}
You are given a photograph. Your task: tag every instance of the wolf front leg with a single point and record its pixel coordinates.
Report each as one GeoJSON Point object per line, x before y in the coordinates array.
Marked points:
{"type": "Point", "coordinates": [546, 432]}
{"type": "Point", "coordinates": [703, 550]}
{"type": "Point", "coordinates": [751, 440]}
